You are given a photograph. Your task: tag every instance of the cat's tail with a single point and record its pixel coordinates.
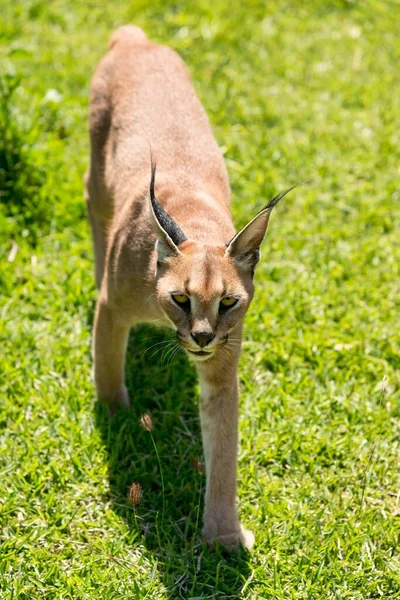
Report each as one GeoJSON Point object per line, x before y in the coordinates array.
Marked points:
{"type": "Point", "coordinates": [127, 34]}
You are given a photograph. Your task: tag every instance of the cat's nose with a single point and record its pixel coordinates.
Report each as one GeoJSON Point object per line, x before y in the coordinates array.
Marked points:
{"type": "Point", "coordinates": [202, 338]}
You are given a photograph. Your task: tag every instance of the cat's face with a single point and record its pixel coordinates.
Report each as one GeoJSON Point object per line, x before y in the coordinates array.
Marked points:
{"type": "Point", "coordinates": [206, 290]}
{"type": "Point", "coordinates": [205, 294]}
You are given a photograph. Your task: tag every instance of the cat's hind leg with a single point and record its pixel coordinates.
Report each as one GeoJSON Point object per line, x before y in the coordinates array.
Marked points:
{"type": "Point", "coordinates": [110, 338]}
{"type": "Point", "coordinates": [99, 224]}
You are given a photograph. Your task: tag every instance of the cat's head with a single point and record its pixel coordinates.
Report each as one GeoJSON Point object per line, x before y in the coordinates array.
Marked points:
{"type": "Point", "coordinates": [206, 290]}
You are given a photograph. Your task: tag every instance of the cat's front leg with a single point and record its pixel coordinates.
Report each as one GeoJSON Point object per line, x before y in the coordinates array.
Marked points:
{"type": "Point", "coordinates": [219, 427]}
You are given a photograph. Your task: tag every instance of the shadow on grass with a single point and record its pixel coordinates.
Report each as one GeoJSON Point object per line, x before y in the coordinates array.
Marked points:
{"type": "Point", "coordinates": [168, 518]}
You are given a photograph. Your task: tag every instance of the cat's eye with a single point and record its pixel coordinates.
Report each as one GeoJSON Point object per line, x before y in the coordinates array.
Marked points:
{"type": "Point", "coordinates": [181, 299]}
{"type": "Point", "coordinates": [228, 301]}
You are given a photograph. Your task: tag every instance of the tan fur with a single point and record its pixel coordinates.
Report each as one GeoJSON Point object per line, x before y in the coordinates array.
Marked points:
{"type": "Point", "coordinates": [141, 96]}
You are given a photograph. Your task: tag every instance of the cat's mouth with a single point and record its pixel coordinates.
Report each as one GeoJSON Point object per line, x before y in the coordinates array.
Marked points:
{"type": "Point", "coordinates": [200, 352]}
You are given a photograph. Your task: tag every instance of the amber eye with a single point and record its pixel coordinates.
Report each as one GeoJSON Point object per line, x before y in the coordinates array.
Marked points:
{"type": "Point", "coordinates": [180, 298]}
{"type": "Point", "coordinates": [228, 301]}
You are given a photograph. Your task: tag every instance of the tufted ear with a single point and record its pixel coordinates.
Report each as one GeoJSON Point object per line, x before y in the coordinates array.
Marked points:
{"type": "Point", "coordinates": [244, 246]}
{"type": "Point", "coordinates": [169, 234]}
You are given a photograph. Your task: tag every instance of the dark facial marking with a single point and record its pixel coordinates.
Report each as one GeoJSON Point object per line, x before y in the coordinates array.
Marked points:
{"type": "Point", "coordinates": [137, 210]}
{"type": "Point", "coordinates": [208, 268]}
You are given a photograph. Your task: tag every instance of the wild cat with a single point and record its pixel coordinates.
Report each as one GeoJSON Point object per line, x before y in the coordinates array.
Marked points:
{"type": "Point", "coordinates": [166, 249]}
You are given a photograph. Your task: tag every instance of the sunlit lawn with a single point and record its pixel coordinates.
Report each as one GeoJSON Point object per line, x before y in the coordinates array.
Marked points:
{"type": "Point", "coordinates": [294, 91]}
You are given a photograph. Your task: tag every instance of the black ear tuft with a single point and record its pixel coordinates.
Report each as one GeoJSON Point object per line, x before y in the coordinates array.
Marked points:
{"type": "Point", "coordinates": [164, 220]}
{"type": "Point", "coordinates": [281, 195]}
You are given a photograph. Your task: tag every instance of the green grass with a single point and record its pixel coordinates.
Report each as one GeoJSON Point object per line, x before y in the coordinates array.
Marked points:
{"type": "Point", "coordinates": [294, 91]}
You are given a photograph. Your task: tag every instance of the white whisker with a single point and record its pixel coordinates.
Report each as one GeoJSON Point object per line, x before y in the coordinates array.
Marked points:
{"type": "Point", "coordinates": [234, 348]}
{"type": "Point", "coordinates": [174, 355]}
{"type": "Point", "coordinates": [157, 344]}
{"type": "Point", "coordinates": [160, 349]}
{"type": "Point", "coordinates": [167, 352]}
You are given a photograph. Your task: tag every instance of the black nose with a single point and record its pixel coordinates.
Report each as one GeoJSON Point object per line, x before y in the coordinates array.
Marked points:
{"type": "Point", "coordinates": [202, 338]}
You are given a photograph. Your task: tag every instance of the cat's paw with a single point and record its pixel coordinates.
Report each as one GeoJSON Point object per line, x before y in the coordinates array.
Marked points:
{"type": "Point", "coordinates": [232, 541]}
{"type": "Point", "coordinates": [116, 400]}
{"type": "Point", "coordinates": [122, 398]}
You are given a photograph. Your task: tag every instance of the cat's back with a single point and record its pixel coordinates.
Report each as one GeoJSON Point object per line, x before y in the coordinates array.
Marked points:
{"type": "Point", "coordinates": [141, 98]}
